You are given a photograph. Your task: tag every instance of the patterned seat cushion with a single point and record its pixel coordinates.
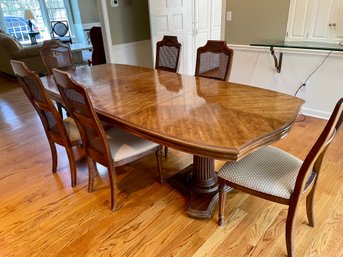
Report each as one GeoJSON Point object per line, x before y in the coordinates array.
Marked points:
{"type": "Point", "coordinates": [124, 145]}
{"type": "Point", "coordinates": [72, 129]}
{"type": "Point", "coordinates": [268, 170]}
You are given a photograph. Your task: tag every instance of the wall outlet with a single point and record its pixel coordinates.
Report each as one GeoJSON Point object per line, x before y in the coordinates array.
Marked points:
{"type": "Point", "coordinates": [228, 16]}
{"type": "Point", "coordinates": [304, 86]}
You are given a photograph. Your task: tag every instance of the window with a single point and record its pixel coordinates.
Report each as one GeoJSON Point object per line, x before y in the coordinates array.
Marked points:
{"type": "Point", "coordinates": [44, 12]}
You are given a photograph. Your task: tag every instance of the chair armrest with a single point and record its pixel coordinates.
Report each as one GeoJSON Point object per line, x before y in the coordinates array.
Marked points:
{"type": "Point", "coordinates": [27, 52]}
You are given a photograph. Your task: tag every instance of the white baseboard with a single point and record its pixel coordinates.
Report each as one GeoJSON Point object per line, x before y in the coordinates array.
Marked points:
{"type": "Point", "coordinates": [90, 25]}
{"type": "Point", "coordinates": [316, 113]}
{"type": "Point", "coordinates": [135, 53]}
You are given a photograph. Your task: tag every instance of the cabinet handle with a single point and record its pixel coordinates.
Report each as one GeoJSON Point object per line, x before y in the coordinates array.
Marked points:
{"type": "Point", "coordinates": [332, 24]}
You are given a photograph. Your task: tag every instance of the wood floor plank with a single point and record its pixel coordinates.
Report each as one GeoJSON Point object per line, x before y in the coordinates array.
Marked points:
{"type": "Point", "coordinates": [42, 215]}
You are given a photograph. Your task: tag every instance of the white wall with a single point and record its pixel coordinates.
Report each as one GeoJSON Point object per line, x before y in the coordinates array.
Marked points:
{"type": "Point", "coordinates": [136, 53]}
{"type": "Point", "coordinates": [255, 66]}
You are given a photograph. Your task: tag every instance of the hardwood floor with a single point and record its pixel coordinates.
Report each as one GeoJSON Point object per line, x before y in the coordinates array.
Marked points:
{"type": "Point", "coordinates": [42, 215]}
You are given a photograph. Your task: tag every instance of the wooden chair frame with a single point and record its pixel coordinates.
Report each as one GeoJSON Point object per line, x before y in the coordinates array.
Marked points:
{"type": "Point", "coordinates": [306, 181]}
{"type": "Point", "coordinates": [167, 41]}
{"type": "Point", "coordinates": [49, 46]}
{"type": "Point", "coordinates": [22, 71]}
{"type": "Point", "coordinates": [84, 123]}
{"type": "Point", "coordinates": [214, 46]}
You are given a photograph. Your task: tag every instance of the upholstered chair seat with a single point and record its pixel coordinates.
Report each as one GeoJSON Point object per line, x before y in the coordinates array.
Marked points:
{"type": "Point", "coordinates": [268, 170]}
{"type": "Point", "coordinates": [72, 130]}
{"type": "Point", "coordinates": [124, 145]}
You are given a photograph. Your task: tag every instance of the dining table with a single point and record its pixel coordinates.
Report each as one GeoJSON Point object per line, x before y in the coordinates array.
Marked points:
{"type": "Point", "coordinates": [207, 118]}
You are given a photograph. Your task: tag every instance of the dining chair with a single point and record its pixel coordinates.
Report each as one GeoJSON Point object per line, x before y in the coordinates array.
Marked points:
{"type": "Point", "coordinates": [112, 148]}
{"type": "Point", "coordinates": [214, 60]}
{"type": "Point", "coordinates": [55, 54]}
{"type": "Point", "coordinates": [278, 176]}
{"type": "Point", "coordinates": [168, 54]}
{"type": "Point", "coordinates": [167, 59]}
{"type": "Point", "coordinates": [58, 131]}
{"type": "Point", "coordinates": [98, 52]}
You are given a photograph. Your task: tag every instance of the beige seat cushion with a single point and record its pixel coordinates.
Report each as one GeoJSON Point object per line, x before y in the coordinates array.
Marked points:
{"type": "Point", "coordinates": [72, 129]}
{"type": "Point", "coordinates": [124, 145]}
{"type": "Point", "coordinates": [268, 170]}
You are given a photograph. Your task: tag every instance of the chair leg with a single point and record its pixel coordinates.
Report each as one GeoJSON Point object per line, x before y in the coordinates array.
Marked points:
{"type": "Point", "coordinates": [166, 151]}
{"type": "Point", "coordinates": [54, 155]}
{"type": "Point", "coordinates": [289, 231]}
{"type": "Point", "coordinates": [222, 200]}
{"type": "Point", "coordinates": [113, 184]}
{"type": "Point", "coordinates": [158, 154]}
{"type": "Point", "coordinates": [72, 165]}
{"type": "Point", "coordinates": [309, 205]}
{"type": "Point", "coordinates": [92, 173]}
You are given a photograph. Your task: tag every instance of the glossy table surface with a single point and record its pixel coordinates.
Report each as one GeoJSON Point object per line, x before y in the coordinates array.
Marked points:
{"type": "Point", "coordinates": [200, 116]}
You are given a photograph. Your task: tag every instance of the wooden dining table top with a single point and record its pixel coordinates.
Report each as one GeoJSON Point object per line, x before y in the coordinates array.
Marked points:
{"type": "Point", "coordinates": [204, 117]}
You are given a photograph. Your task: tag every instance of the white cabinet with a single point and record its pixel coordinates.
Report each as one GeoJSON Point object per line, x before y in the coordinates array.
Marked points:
{"type": "Point", "coordinates": [193, 22]}
{"type": "Point", "coordinates": [315, 20]}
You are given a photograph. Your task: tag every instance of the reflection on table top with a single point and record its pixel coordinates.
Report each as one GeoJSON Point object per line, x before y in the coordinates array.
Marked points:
{"type": "Point", "coordinates": [197, 115]}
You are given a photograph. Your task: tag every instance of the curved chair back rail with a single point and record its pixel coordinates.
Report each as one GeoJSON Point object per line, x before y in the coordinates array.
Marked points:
{"type": "Point", "coordinates": [62, 132]}
{"type": "Point", "coordinates": [214, 60]}
{"type": "Point", "coordinates": [278, 176]}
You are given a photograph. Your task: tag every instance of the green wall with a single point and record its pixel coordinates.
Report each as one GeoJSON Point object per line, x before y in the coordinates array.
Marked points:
{"type": "Point", "coordinates": [88, 11]}
{"type": "Point", "coordinates": [255, 21]}
{"type": "Point", "coordinates": [129, 22]}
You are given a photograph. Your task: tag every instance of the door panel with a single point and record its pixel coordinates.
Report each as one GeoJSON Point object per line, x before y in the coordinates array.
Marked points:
{"type": "Point", "coordinates": [167, 17]}
{"type": "Point", "coordinates": [297, 27]}
{"type": "Point", "coordinates": [319, 30]}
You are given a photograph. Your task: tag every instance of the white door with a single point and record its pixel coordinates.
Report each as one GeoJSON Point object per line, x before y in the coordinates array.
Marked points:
{"type": "Point", "coordinates": [168, 17]}
{"type": "Point", "coordinates": [207, 24]}
{"type": "Point", "coordinates": [192, 21]}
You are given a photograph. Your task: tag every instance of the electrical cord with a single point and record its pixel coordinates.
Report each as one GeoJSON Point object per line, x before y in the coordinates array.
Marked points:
{"type": "Point", "coordinates": [302, 117]}
{"type": "Point", "coordinates": [304, 83]}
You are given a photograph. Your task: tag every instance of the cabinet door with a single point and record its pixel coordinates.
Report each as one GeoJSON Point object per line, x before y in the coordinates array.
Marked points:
{"type": "Point", "coordinates": [298, 20]}
{"type": "Point", "coordinates": [337, 21]}
{"type": "Point", "coordinates": [320, 23]}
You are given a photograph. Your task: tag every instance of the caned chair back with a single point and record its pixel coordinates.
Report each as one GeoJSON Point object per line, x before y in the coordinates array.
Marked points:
{"type": "Point", "coordinates": [168, 54]}
{"type": "Point", "coordinates": [214, 60]}
{"type": "Point", "coordinates": [40, 100]}
{"type": "Point", "coordinates": [55, 54]}
{"type": "Point", "coordinates": [80, 108]}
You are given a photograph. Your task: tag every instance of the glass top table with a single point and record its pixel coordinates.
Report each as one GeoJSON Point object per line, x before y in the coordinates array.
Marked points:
{"type": "Point", "coordinates": [299, 45]}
